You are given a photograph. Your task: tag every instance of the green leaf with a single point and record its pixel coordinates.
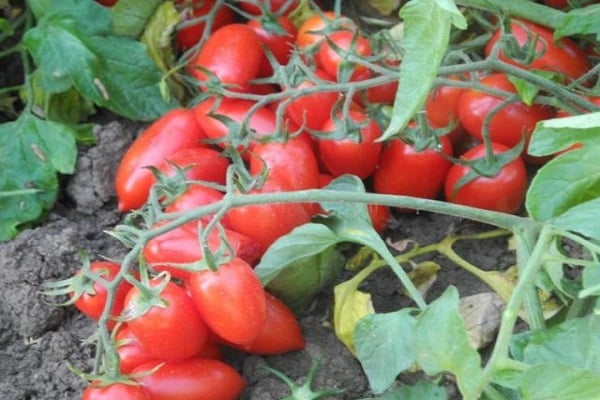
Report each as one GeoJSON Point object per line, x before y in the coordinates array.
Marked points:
{"type": "Point", "coordinates": [420, 391]}
{"type": "Point", "coordinates": [384, 7]}
{"type": "Point", "coordinates": [385, 347]}
{"type": "Point", "coordinates": [552, 381]}
{"type": "Point", "coordinates": [571, 179]}
{"type": "Point", "coordinates": [557, 134]}
{"type": "Point", "coordinates": [580, 21]}
{"type": "Point", "coordinates": [442, 342]}
{"type": "Point", "coordinates": [129, 17]}
{"type": "Point", "coordinates": [32, 151]}
{"type": "Point", "coordinates": [427, 25]}
{"type": "Point", "coordinates": [577, 219]}
{"type": "Point", "coordinates": [528, 91]}
{"type": "Point", "coordinates": [89, 16]}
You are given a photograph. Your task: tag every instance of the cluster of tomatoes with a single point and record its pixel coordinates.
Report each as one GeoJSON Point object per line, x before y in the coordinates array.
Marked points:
{"type": "Point", "coordinates": [308, 134]}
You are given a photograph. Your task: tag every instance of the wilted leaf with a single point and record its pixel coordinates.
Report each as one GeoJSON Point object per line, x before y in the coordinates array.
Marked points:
{"type": "Point", "coordinates": [350, 305]}
{"type": "Point", "coordinates": [482, 314]}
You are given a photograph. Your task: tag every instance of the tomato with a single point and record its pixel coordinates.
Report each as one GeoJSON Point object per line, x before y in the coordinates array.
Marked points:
{"type": "Point", "coordinates": [279, 7]}
{"type": "Point", "coordinates": [202, 164]}
{"type": "Point", "coordinates": [404, 171]}
{"type": "Point", "coordinates": [176, 130]}
{"type": "Point", "coordinates": [504, 192]}
{"type": "Point", "coordinates": [193, 379]}
{"type": "Point", "coordinates": [380, 216]}
{"type": "Point", "coordinates": [314, 29]}
{"type": "Point", "coordinates": [233, 54]}
{"type": "Point", "coordinates": [333, 55]}
{"type": "Point", "coordinates": [131, 353]}
{"type": "Point", "coordinates": [384, 93]}
{"type": "Point", "coordinates": [281, 333]}
{"type": "Point", "coordinates": [279, 44]}
{"type": "Point", "coordinates": [170, 330]}
{"type": "Point", "coordinates": [349, 155]}
{"type": "Point", "coordinates": [231, 300]}
{"type": "Point", "coordinates": [115, 391]}
{"type": "Point", "coordinates": [91, 296]}
{"type": "Point", "coordinates": [195, 196]}
{"type": "Point", "coordinates": [562, 56]}
{"type": "Point", "coordinates": [266, 223]}
{"type": "Point", "coordinates": [508, 125]}
{"type": "Point", "coordinates": [191, 9]}
{"type": "Point", "coordinates": [441, 109]}
{"type": "Point", "coordinates": [107, 3]}
{"type": "Point", "coordinates": [181, 246]}
{"type": "Point", "coordinates": [562, 4]}
{"type": "Point", "coordinates": [312, 110]}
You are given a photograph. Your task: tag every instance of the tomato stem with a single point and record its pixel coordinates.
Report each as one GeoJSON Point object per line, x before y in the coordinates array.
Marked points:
{"type": "Point", "coordinates": [528, 10]}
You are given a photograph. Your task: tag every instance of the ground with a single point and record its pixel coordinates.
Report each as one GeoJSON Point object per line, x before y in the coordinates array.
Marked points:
{"type": "Point", "coordinates": [39, 341]}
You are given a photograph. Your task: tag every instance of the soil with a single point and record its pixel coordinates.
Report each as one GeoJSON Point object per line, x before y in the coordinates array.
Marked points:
{"type": "Point", "coordinates": [39, 341]}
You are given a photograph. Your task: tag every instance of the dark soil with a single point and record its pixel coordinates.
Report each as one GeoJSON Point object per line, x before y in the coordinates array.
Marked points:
{"type": "Point", "coordinates": [39, 341]}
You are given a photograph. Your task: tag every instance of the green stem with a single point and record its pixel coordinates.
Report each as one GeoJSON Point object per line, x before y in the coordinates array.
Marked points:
{"type": "Point", "coordinates": [528, 10]}
{"type": "Point", "coordinates": [22, 192]}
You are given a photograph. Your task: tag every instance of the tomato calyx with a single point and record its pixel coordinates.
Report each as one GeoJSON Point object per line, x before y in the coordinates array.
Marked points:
{"type": "Point", "coordinates": [512, 50]}
{"type": "Point", "coordinates": [149, 297]}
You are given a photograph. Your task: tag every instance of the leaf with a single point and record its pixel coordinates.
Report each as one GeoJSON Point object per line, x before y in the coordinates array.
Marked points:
{"type": "Point", "coordinates": [32, 151]}
{"type": "Point", "coordinates": [350, 306]}
{"type": "Point", "coordinates": [384, 7]}
{"type": "Point", "coordinates": [564, 182]}
{"type": "Point", "coordinates": [557, 134]}
{"type": "Point", "coordinates": [129, 17]}
{"type": "Point", "coordinates": [427, 25]}
{"type": "Point", "coordinates": [580, 21]}
{"type": "Point", "coordinates": [577, 219]}
{"type": "Point", "coordinates": [420, 391]}
{"type": "Point", "coordinates": [385, 347]}
{"type": "Point", "coordinates": [90, 17]}
{"type": "Point", "coordinates": [552, 381]}
{"type": "Point", "coordinates": [481, 313]}
{"type": "Point", "coordinates": [528, 91]}
{"type": "Point", "coordinates": [442, 343]}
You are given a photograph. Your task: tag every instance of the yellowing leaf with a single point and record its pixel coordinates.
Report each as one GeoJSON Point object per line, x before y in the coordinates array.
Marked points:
{"type": "Point", "coordinates": [350, 305]}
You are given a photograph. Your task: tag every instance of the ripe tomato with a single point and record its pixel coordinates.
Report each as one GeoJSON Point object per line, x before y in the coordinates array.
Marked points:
{"type": "Point", "coordinates": [131, 353]}
{"type": "Point", "coordinates": [176, 130]}
{"type": "Point", "coordinates": [170, 330]}
{"type": "Point", "coordinates": [334, 52]}
{"type": "Point", "coordinates": [504, 192]}
{"type": "Point", "coordinates": [115, 391]}
{"type": "Point", "coordinates": [193, 379]}
{"type": "Point", "coordinates": [191, 9]}
{"type": "Point", "coordinates": [563, 56]}
{"type": "Point", "coordinates": [231, 300]}
{"type": "Point", "coordinates": [313, 30]}
{"type": "Point", "coordinates": [272, 6]}
{"type": "Point", "coordinates": [92, 295]}
{"type": "Point", "coordinates": [508, 125]}
{"type": "Point", "coordinates": [312, 110]}
{"type": "Point", "coordinates": [107, 3]}
{"type": "Point", "coordinates": [266, 223]}
{"type": "Point", "coordinates": [279, 44]}
{"type": "Point", "coordinates": [384, 93]}
{"type": "Point", "coordinates": [441, 109]}
{"type": "Point", "coordinates": [195, 196]}
{"type": "Point", "coordinates": [233, 54]}
{"type": "Point", "coordinates": [404, 171]}
{"type": "Point", "coordinates": [281, 333]}
{"type": "Point", "coordinates": [204, 164]}
{"type": "Point", "coordinates": [380, 216]}
{"type": "Point", "coordinates": [181, 246]}
{"type": "Point", "coordinates": [349, 156]}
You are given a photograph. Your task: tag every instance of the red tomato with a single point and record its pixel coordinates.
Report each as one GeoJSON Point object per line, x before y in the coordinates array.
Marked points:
{"type": "Point", "coordinates": [181, 246]}
{"type": "Point", "coordinates": [312, 110]}
{"type": "Point", "coordinates": [313, 30]}
{"type": "Point", "coordinates": [131, 353]}
{"type": "Point", "coordinates": [333, 54]}
{"type": "Point", "coordinates": [176, 130]}
{"type": "Point", "coordinates": [107, 3]}
{"type": "Point", "coordinates": [380, 216]}
{"type": "Point", "coordinates": [193, 379]}
{"type": "Point", "coordinates": [404, 171]}
{"type": "Point", "coordinates": [231, 300]}
{"type": "Point", "coordinates": [266, 223]}
{"type": "Point", "coordinates": [279, 44]}
{"type": "Point", "coordinates": [272, 6]}
{"type": "Point", "coordinates": [195, 196]}
{"type": "Point", "coordinates": [563, 56]}
{"type": "Point", "coordinates": [504, 192]}
{"type": "Point", "coordinates": [171, 330]}
{"type": "Point", "coordinates": [92, 295]}
{"type": "Point", "coordinates": [115, 391]}
{"type": "Point", "coordinates": [508, 125]}
{"type": "Point", "coordinates": [442, 110]}
{"type": "Point", "coordinates": [384, 93]}
{"type": "Point", "coordinates": [233, 54]}
{"type": "Point", "coordinates": [349, 156]}
{"type": "Point", "coordinates": [204, 164]}
{"type": "Point", "coordinates": [190, 35]}
{"type": "Point", "coordinates": [281, 333]}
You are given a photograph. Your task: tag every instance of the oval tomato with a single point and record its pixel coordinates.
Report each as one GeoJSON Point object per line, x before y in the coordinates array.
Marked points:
{"type": "Point", "coordinates": [91, 295]}
{"type": "Point", "coordinates": [176, 130]}
{"type": "Point", "coordinates": [202, 164]}
{"type": "Point", "coordinates": [333, 55]}
{"type": "Point", "coordinates": [507, 126]}
{"type": "Point", "coordinates": [351, 156]}
{"type": "Point", "coordinates": [120, 391]}
{"type": "Point", "coordinates": [182, 246]}
{"type": "Point", "coordinates": [314, 29]}
{"type": "Point", "coordinates": [504, 192]}
{"type": "Point", "coordinates": [562, 56]}
{"type": "Point", "coordinates": [441, 109]}
{"type": "Point", "coordinates": [170, 330]}
{"type": "Point", "coordinates": [278, 37]}
{"type": "Point", "coordinates": [380, 216]}
{"type": "Point", "coordinates": [195, 196]}
{"type": "Point", "coordinates": [191, 9]}
{"type": "Point", "coordinates": [272, 6]}
{"type": "Point", "coordinates": [231, 300]}
{"type": "Point", "coordinates": [233, 54]}
{"type": "Point", "coordinates": [404, 171]}
{"type": "Point", "coordinates": [131, 353]}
